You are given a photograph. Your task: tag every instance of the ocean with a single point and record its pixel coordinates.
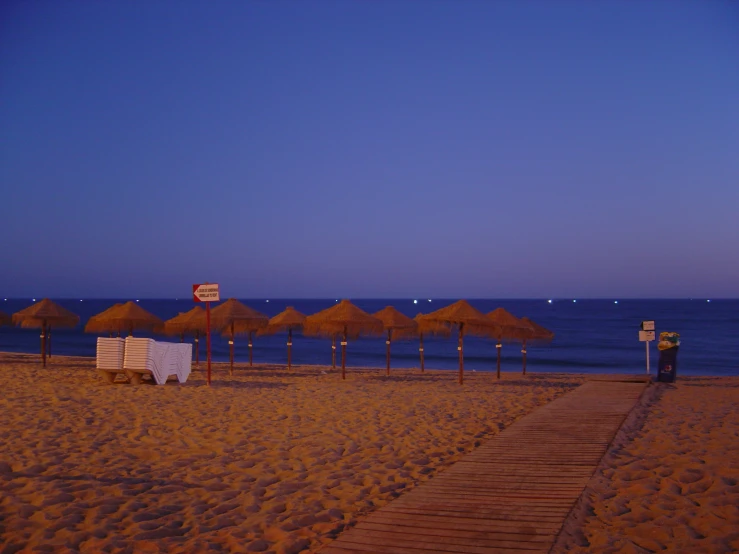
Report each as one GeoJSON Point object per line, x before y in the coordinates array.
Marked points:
{"type": "Point", "coordinates": [591, 336]}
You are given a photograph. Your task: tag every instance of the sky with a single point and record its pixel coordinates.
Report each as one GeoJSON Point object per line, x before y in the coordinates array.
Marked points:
{"type": "Point", "coordinates": [369, 149]}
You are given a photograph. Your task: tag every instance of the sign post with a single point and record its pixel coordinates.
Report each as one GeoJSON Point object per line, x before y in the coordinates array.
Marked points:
{"type": "Point", "coordinates": [646, 335]}
{"type": "Point", "coordinates": [206, 292]}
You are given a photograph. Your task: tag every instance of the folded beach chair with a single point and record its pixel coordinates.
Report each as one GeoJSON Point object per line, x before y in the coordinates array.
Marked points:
{"type": "Point", "coordinates": [158, 359]}
{"type": "Point", "coordinates": [109, 360]}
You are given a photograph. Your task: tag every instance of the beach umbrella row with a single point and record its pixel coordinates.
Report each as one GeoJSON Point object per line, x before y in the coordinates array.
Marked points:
{"type": "Point", "coordinates": [344, 319]}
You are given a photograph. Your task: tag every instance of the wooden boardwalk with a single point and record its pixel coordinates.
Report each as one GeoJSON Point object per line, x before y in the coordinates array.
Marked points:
{"type": "Point", "coordinates": [513, 493]}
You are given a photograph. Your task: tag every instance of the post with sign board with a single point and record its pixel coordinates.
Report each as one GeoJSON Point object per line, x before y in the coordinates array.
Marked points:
{"type": "Point", "coordinates": [647, 335]}
{"type": "Point", "coordinates": [206, 292]}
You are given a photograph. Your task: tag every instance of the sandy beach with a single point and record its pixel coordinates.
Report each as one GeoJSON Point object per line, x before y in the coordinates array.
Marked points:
{"type": "Point", "coordinates": [670, 482]}
{"type": "Point", "coordinates": [264, 461]}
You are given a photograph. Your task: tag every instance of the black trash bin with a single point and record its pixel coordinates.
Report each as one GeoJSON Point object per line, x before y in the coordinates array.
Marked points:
{"type": "Point", "coordinates": [667, 367]}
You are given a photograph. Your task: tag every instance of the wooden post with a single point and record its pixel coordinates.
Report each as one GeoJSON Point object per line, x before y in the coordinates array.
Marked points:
{"type": "Point", "coordinates": [289, 345]}
{"type": "Point", "coordinates": [333, 352]}
{"type": "Point", "coordinates": [43, 342]}
{"type": "Point", "coordinates": [460, 347]}
{"type": "Point", "coordinates": [420, 349]}
{"type": "Point", "coordinates": [523, 351]}
{"type": "Point", "coordinates": [499, 348]}
{"type": "Point", "coordinates": [389, 339]}
{"type": "Point", "coordinates": [231, 349]}
{"type": "Point", "coordinates": [48, 341]}
{"type": "Point", "coordinates": [207, 330]}
{"type": "Point", "coordinates": [343, 355]}
{"type": "Point", "coordinates": [250, 346]}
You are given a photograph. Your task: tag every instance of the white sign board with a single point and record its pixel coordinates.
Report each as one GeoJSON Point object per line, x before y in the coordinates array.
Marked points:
{"type": "Point", "coordinates": [647, 325]}
{"type": "Point", "coordinates": [646, 336]}
{"type": "Point", "coordinates": [206, 293]}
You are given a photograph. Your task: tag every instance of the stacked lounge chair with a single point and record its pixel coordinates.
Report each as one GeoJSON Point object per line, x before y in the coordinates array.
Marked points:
{"type": "Point", "coordinates": [158, 359]}
{"type": "Point", "coordinates": [110, 357]}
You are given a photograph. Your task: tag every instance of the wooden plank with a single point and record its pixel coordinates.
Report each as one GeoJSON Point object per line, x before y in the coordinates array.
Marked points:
{"type": "Point", "coordinates": [513, 493]}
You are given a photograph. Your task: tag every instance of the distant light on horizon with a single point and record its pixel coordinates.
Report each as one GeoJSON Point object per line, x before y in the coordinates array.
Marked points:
{"type": "Point", "coordinates": [615, 301]}
{"type": "Point", "coordinates": [415, 301]}
{"type": "Point", "coordinates": [574, 300]}
{"type": "Point", "coordinates": [707, 300]}
{"type": "Point", "coordinates": [549, 301]}
{"type": "Point", "coordinates": [136, 300]}
{"type": "Point", "coordinates": [429, 300]}
{"type": "Point", "coordinates": [33, 300]}
{"type": "Point", "coordinates": [267, 300]}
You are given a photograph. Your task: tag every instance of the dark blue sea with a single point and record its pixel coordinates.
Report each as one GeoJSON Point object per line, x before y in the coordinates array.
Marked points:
{"type": "Point", "coordinates": [592, 336]}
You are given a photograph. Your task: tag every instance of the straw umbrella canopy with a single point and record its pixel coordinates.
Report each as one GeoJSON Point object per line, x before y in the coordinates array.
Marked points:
{"type": "Point", "coordinates": [5, 319]}
{"type": "Point", "coordinates": [344, 318]}
{"type": "Point", "coordinates": [392, 320]}
{"type": "Point", "coordinates": [424, 327]}
{"type": "Point", "coordinates": [191, 323]}
{"type": "Point", "coordinates": [467, 319]}
{"type": "Point", "coordinates": [234, 318]}
{"type": "Point", "coordinates": [45, 315]}
{"type": "Point", "coordinates": [287, 320]}
{"type": "Point", "coordinates": [537, 335]}
{"type": "Point", "coordinates": [129, 316]}
{"type": "Point", "coordinates": [100, 323]}
{"type": "Point", "coordinates": [506, 327]}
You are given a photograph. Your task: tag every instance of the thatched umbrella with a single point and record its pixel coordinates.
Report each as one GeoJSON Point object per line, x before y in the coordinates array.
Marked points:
{"type": "Point", "coordinates": [190, 323]}
{"type": "Point", "coordinates": [45, 315]}
{"type": "Point", "coordinates": [424, 327]}
{"type": "Point", "coordinates": [345, 318]}
{"type": "Point", "coordinates": [5, 319]}
{"type": "Point", "coordinates": [467, 319]}
{"type": "Point", "coordinates": [129, 316]}
{"type": "Point", "coordinates": [315, 331]}
{"type": "Point", "coordinates": [287, 320]}
{"type": "Point", "coordinates": [100, 323]}
{"type": "Point", "coordinates": [392, 319]}
{"type": "Point", "coordinates": [537, 335]}
{"type": "Point", "coordinates": [234, 318]}
{"type": "Point", "coordinates": [506, 327]}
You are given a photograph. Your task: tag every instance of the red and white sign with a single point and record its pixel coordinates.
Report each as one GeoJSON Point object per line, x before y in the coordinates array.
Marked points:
{"type": "Point", "coordinates": [206, 293]}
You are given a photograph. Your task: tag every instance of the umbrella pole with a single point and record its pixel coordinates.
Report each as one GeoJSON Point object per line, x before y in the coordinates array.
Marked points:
{"type": "Point", "coordinates": [523, 351]}
{"type": "Point", "coordinates": [48, 342]}
{"type": "Point", "coordinates": [289, 345]}
{"type": "Point", "coordinates": [389, 339]}
{"type": "Point", "coordinates": [43, 342]}
{"type": "Point", "coordinates": [250, 346]}
{"type": "Point", "coordinates": [461, 353]}
{"type": "Point", "coordinates": [343, 355]}
{"type": "Point", "coordinates": [498, 347]}
{"type": "Point", "coordinates": [231, 349]}
{"type": "Point", "coordinates": [420, 349]}
{"type": "Point", "coordinates": [333, 352]}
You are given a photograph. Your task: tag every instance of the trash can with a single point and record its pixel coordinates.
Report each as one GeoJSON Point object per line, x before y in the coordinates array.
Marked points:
{"type": "Point", "coordinates": [668, 346]}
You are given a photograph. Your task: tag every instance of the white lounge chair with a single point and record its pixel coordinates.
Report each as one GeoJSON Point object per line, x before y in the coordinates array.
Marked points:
{"type": "Point", "coordinates": [109, 360]}
{"type": "Point", "coordinates": [158, 359]}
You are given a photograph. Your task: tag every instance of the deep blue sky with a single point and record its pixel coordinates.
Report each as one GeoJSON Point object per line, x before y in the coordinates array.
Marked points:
{"type": "Point", "coordinates": [370, 149]}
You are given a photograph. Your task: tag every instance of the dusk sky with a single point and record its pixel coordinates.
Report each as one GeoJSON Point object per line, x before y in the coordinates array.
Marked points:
{"type": "Point", "coordinates": [456, 149]}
